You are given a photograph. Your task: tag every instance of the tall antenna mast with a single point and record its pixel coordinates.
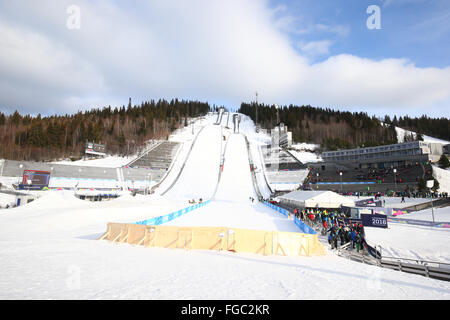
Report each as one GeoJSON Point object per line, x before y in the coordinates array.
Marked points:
{"type": "Point", "coordinates": [256, 108]}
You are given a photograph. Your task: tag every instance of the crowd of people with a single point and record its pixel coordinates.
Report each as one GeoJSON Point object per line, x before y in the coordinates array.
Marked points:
{"type": "Point", "coordinates": [339, 228]}
{"type": "Point", "coordinates": [388, 193]}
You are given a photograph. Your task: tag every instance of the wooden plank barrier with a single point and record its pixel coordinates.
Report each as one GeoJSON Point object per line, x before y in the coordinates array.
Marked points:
{"type": "Point", "coordinates": [216, 238]}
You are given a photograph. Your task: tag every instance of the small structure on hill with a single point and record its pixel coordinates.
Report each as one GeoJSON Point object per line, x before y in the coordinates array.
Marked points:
{"type": "Point", "coordinates": [95, 150]}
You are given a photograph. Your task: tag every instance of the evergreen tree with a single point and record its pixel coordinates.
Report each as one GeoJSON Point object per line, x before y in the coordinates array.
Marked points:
{"type": "Point", "coordinates": [421, 184]}
{"type": "Point", "coordinates": [436, 186]}
{"type": "Point", "coordinates": [443, 162]}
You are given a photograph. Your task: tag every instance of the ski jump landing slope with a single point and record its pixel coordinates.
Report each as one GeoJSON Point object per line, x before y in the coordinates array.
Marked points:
{"type": "Point", "coordinates": [231, 206]}
{"type": "Point", "coordinates": [201, 171]}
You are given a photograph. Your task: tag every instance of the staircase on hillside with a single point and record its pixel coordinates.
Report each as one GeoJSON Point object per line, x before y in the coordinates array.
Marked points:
{"type": "Point", "coordinates": [159, 157]}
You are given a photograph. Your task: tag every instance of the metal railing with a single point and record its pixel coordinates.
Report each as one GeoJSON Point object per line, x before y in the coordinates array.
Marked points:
{"type": "Point", "coordinates": [430, 269]}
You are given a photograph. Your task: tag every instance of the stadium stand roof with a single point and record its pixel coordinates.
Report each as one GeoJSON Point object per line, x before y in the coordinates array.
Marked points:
{"type": "Point", "coordinates": [313, 199]}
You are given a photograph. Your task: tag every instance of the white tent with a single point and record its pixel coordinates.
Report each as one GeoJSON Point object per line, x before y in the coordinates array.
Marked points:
{"type": "Point", "coordinates": [313, 199]}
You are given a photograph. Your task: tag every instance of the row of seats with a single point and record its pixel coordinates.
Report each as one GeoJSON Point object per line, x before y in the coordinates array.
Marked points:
{"type": "Point", "coordinates": [159, 157]}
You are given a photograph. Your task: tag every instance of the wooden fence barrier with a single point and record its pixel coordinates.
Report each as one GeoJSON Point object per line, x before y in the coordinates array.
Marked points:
{"type": "Point", "coordinates": [216, 238]}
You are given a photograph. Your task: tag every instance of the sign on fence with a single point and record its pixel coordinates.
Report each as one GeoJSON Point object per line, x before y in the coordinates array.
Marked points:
{"type": "Point", "coordinates": [374, 220]}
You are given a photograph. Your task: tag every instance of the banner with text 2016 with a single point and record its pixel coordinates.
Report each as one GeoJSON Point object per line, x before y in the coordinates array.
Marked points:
{"type": "Point", "coordinates": [374, 220]}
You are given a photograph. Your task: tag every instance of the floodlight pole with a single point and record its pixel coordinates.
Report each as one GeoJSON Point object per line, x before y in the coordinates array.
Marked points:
{"type": "Point", "coordinates": [430, 184]}
{"type": "Point", "coordinates": [395, 179]}
{"type": "Point", "coordinates": [256, 109]}
{"type": "Point", "coordinates": [432, 207]}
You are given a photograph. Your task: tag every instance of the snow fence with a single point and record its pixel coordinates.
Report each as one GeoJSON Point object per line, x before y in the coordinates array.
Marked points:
{"type": "Point", "coordinates": [171, 216]}
{"type": "Point", "coordinates": [216, 238]}
{"type": "Point", "coordinates": [303, 227]}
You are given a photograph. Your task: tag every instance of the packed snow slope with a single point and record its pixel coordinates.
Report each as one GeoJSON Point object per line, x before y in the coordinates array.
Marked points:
{"type": "Point", "coordinates": [232, 205]}
{"type": "Point", "coordinates": [48, 250]}
{"type": "Point", "coordinates": [236, 181]}
{"type": "Point", "coordinates": [199, 176]}
{"type": "Point", "coordinates": [402, 134]}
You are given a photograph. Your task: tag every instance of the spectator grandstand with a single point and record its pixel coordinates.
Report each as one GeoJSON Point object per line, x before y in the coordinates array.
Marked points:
{"type": "Point", "coordinates": [396, 167]}
{"type": "Point", "coordinates": [278, 159]}
{"type": "Point", "coordinates": [159, 157]}
{"type": "Point", "coordinates": [283, 171]}
{"type": "Point", "coordinates": [150, 167]}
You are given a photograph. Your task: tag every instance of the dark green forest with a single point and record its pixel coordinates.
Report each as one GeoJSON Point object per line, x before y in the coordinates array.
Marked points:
{"type": "Point", "coordinates": [123, 129]}
{"type": "Point", "coordinates": [334, 129]}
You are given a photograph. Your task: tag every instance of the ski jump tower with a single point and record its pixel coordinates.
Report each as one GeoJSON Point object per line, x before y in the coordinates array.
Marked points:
{"type": "Point", "coordinates": [220, 115]}
{"type": "Point", "coordinates": [236, 121]}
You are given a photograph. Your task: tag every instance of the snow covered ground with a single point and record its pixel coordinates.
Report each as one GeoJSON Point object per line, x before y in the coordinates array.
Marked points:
{"type": "Point", "coordinates": [232, 206]}
{"type": "Point", "coordinates": [48, 251]}
{"type": "Point", "coordinates": [304, 152]}
{"type": "Point", "coordinates": [443, 176]}
{"type": "Point", "coordinates": [414, 242]}
{"type": "Point", "coordinates": [106, 162]}
{"type": "Point", "coordinates": [48, 248]}
{"type": "Point", "coordinates": [402, 133]}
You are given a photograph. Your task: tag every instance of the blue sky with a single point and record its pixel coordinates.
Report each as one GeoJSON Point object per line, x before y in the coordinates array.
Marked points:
{"type": "Point", "coordinates": [418, 30]}
{"type": "Point", "coordinates": [299, 52]}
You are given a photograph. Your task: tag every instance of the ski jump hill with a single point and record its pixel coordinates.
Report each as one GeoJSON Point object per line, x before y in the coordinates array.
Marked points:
{"type": "Point", "coordinates": [217, 170]}
{"type": "Point", "coordinates": [164, 246]}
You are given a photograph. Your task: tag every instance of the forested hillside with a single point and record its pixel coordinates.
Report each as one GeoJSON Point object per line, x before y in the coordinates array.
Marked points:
{"type": "Point", "coordinates": [332, 129]}
{"type": "Point", "coordinates": [436, 128]}
{"type": "Point", "coordinates": [340, 129]}
{"type": "Point", "coordinates": [123, 129]}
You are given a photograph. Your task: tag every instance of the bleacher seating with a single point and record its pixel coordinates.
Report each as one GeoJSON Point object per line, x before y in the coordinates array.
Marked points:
{"type": "Point", "coordinates": [160, 157]}
{"type": "Point", "coordinates": [286, 176]}
{"type": "Point", "coordinates": [277, 159]}
{"type": "Point", "coordinates": [378, 180]}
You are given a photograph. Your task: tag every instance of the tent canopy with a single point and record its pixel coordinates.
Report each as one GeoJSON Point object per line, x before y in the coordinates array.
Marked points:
{"type": "Point", "coordinates": [313, 199]}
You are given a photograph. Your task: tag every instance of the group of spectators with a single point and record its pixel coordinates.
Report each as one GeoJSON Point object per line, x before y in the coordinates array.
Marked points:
{"type": "Point", "coordinates": [345, 233]}
{"type": "Point", "coordinates": [406, 193]}
{"type": "Point", "coordinates": [336, 224]}
{"type": "Point", "coordinates": [318, 217]}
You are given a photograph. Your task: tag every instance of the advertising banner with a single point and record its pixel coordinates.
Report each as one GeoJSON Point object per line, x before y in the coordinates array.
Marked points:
{"type": "Point", "coordinates": [374, 220]}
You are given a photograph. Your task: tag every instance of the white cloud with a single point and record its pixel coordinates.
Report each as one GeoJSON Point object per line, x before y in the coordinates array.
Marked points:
{"type": "Point", "coordinates": [394, 85]}
{"type": "Point", "coordinates": [336, 29]}
{"type": "Point", "coordinates": [315, 48]}
{"type": "Point", "coordinates": [201, 49]}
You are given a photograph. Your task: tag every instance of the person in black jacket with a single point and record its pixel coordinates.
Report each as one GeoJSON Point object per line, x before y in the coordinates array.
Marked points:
{"type": "Point", "coordinates": [332, 238]}
{"type": "Point", "coordinates": [341, 234]}
{"type": "Point", "coordinates": [361, 230]}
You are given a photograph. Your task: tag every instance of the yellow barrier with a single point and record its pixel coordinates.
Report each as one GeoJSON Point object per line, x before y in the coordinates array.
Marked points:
{"type": "Point", "coordinates": [216, 238]}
